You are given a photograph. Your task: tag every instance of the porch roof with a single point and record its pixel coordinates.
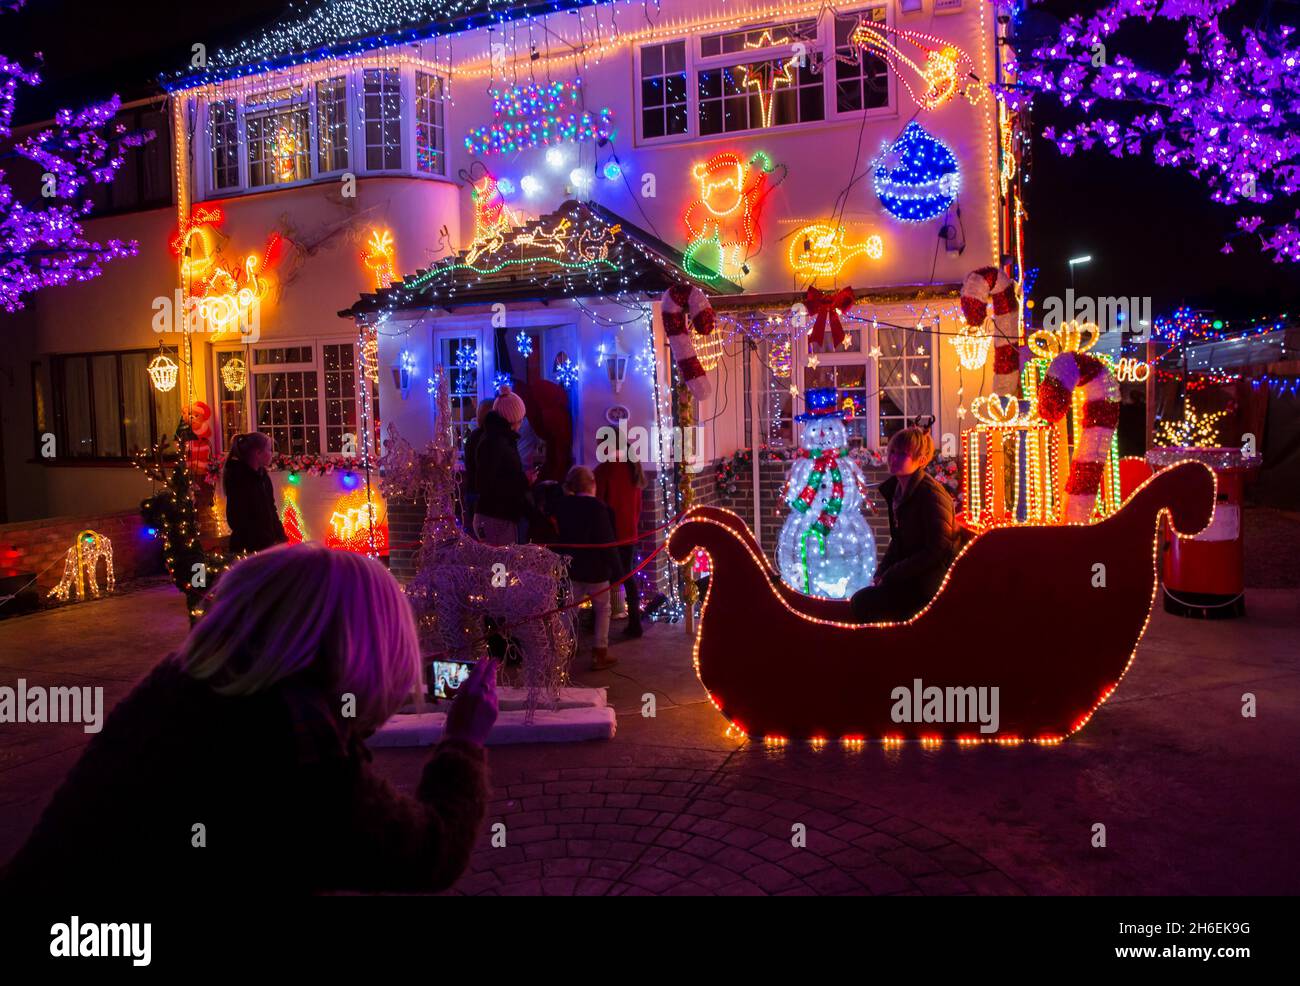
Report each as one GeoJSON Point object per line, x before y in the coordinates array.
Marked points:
{"type": "Point", "coordinates": [581, 250]}
{"type": "Point", "coordinates": [343, 28]}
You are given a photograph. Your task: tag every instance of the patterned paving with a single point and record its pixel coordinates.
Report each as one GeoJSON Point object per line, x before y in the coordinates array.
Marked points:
{"type": "Point", "coordinates": [617, 831]}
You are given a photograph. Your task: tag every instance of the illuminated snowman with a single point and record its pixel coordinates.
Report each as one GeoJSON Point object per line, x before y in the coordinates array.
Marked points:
{"type": "Point", "coordinates": [826, 547]}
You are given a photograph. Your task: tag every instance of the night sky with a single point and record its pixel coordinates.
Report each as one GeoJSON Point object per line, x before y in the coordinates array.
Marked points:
{"type": "Point", "coordinates": [1151, 231]}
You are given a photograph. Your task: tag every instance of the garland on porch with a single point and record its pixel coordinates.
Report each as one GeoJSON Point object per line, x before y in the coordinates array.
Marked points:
{"type": "Point", "coordinates": [308, 463]}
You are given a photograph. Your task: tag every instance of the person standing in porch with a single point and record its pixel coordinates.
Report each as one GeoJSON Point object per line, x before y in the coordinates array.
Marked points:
{"type": "Point", "coordinates": [618, 485]}
{"type": "Point", "coordinates": [250, 498]}
{"type": "Point", "coordinates": [922, 534]}
{"type": "Point", "coordinates": [582, 519]}
{"type": "Point", "coordinates": [499, 475]}
{"type": "Point", "coordinates": [471, 462]}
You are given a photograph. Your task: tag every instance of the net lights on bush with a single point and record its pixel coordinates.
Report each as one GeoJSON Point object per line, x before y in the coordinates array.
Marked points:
{"type": "Point", "coordinates": [918, 176]}
{"type": "Point", "coordinates": [536, 115]}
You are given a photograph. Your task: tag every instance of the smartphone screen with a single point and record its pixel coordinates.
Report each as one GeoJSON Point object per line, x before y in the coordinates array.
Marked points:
{"type": "Point", "coordinates": [444, 677]}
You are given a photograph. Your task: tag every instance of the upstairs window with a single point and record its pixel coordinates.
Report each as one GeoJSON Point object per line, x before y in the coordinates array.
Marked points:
{"type": "Point", "coordinates": [663, 90]}
{"type": "Point", "coordinates": [331, 125]}
{"type": "Point", "coordinates": [278, 144]}
{"type": "Point", "coordinates": [223, 128]}
{"type": "Point", "coordinates": [430, 132]}
{"type": "Point", "coordinates": [382, 113]}
{"type": "Point", "coordinates": [759, 76]}
{"type": "Point", "coordinates": [861, 78]}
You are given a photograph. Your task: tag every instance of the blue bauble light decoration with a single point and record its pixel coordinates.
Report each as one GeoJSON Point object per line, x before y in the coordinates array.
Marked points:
{"type": "Point", "coordinates": [925, 180]}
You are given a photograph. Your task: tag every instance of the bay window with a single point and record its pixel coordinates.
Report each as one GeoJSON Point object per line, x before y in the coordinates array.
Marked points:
{"type": "Point", "coordinates": [105, 406]}
{"type": "Point", "coordinates": [377, 120]}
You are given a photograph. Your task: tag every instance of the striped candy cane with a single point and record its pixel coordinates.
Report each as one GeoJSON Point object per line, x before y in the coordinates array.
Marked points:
{"type": "Point", "coordinates": [680, 301]}
{"type": "Point", "coordinates": [1100, 418]}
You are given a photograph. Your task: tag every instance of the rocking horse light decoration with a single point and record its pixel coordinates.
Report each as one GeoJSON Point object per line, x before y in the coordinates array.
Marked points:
{"type": "Point", "coordinates": [81, 568]}
{"type": "Point", "coordinates": [459, 582]}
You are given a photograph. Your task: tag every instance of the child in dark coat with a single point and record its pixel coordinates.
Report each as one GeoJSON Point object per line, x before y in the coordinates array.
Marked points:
{"type": "Point", "coordinates": [250, 498]}
{"type": "Point", "coordinates": [581, 518]}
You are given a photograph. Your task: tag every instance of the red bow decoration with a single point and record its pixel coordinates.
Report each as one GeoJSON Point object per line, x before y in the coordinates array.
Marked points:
{"type": "Point", "coordinates": [826, 308]}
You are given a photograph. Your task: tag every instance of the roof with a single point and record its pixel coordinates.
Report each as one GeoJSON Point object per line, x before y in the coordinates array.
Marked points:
{"type": "Point", "coordinates": [581, 250]}
{"type": "Point", "coordinates": [312, 31]}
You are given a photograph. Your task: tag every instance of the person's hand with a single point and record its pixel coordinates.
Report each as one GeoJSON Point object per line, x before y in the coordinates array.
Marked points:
{"type": "Point", "coordinates": [474, 709]}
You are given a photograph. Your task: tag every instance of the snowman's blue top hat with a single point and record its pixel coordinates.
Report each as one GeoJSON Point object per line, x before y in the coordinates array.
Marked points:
{"type": "Point", "coordinates": [821, 404]}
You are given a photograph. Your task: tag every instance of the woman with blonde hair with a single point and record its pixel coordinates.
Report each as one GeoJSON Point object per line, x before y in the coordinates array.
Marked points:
{"type": "Point", "coordinates": [922, 534]}
{"type": "Point", "coordinates": [238, 764]}
{"type": "Point", "coordinates": [250, 498]}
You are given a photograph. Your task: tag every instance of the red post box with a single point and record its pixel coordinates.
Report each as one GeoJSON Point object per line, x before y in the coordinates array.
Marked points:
{"type": "Point", "coordinates": [1204, 575]}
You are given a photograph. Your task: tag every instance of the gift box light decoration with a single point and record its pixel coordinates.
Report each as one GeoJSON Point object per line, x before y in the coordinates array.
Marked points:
{"type": "Point", "coordinates": [1045, 345]}
{"type": "Point", "coordinates": [1009, 464]}
{"type": "Point", "coordinates": [917, 177]}
{"type": "Point", "coordinates": [538, 115]}
{"type": "Point", "coordinates": [234, 375]}
{"type": "Point", "coordinates": [163, 371]}
{"type": "Point", "coordinates": [81, 568]}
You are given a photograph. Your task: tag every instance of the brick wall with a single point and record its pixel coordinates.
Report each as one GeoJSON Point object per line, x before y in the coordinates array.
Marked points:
{"type": "Point", "coordinates": [405, 522]}
{"type": "Point", "coordinates": [39, 546]}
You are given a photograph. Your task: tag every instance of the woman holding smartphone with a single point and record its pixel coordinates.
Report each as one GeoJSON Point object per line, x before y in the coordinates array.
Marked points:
{"type": "Point", "coordinates": [238, 765]}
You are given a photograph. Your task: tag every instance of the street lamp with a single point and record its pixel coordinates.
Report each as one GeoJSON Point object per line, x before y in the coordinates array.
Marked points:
{"type": "Point", "coordinates": [1086, 258]}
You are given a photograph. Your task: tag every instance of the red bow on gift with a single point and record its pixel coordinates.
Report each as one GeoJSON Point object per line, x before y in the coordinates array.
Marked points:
{"type": "Point", "coordinates": [826, 308]}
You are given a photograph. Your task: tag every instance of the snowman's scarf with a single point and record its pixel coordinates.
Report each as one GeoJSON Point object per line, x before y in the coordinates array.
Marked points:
{"type": "Point", "coordinates": [827, 461]}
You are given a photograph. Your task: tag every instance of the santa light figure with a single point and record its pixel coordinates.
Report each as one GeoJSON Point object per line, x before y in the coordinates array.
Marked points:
{"type": "Point", "coordinates": [826, 547]}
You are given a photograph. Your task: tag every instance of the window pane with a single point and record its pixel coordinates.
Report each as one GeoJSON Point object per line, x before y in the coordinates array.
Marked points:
{"type": "Point", "coordinates": [331, 124]}
{"type": "Point", "coordinates": [108, 409]}
{"type": "Point", "coordinates": [223, 132]}
{"type": "Point", "coordinates": [76, 407]}
{"type": "Point", "coordinates": [277, 147]}
{"type": "Point", "coordinates": [652, 60]}
{"type": "Point", "coordinates": [232, 403]}
{"type": "Point", "coordinates": [135, 401]}
{"type": "Point", "coordinates": [430, 142]}
{"type": "Point", "coordinates": [675, 57]}
{"type": "Point", "coordinates": [383, 115]}
{"type": "Point", "coordinates": [167, 407]}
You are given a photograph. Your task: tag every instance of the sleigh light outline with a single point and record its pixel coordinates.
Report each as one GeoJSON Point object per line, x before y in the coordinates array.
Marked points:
{"type": "Point", "coordinates": [1048, 694]}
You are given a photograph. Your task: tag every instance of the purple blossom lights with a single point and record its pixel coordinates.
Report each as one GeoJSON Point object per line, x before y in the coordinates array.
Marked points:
{"type": "Point", "coordinates": [1229, 113]}
{"type": "Point", "coordinates": [42, 241]}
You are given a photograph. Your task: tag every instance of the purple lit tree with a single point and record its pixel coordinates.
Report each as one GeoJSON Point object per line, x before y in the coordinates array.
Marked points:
{"type": "Point", "coordinates": [42, 242]}
{"type": "Point", "coordinates": [1229, 113]}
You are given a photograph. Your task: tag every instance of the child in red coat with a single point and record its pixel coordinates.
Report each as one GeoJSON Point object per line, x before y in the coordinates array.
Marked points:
{"type": "Point", "coordinates": [619, 485]}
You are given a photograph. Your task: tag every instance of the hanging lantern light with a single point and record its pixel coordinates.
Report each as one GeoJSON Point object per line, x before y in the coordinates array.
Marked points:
{"type": "Point", "coordinates": [162, 371]}
{"type": "Point", "coordinates": [972, 345]}
{"type": "Point", "coordinates": [234, 375]}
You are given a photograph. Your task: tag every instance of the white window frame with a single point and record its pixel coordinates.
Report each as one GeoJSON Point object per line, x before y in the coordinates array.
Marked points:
{"type": "Point", "coordinates": [317, 365]}
{"type": "Point", "coordinates": [695, 62]}
{"type": "Point", "coordinates": [868, 338]}
{"type": "Point", "coordinates": [202, 166]}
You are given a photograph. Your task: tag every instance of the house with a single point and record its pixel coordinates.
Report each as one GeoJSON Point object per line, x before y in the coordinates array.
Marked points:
{"type": "Point", "coordinates": [446, 181]}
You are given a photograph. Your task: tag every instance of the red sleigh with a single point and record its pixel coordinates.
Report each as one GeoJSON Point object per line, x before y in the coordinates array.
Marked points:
{"type": "Point", "coordinates": [1023, 609]}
